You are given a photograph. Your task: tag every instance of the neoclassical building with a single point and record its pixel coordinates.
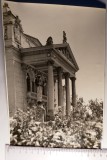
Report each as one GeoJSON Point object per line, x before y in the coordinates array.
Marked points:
{"type": "Point", "coordinates": [35, 73]}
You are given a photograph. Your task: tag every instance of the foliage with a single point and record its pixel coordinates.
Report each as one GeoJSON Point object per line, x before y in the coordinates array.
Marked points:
{"type": "Point", "coordinates": [82, 129]}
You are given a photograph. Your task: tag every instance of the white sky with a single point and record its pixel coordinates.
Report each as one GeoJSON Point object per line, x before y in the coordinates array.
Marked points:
{"type": "Point", "coordinates": [85, 29]}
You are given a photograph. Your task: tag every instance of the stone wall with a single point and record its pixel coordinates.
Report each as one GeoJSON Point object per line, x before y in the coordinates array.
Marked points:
{"type": "Point", "coordinates": [16, 81]}
{"type": "Point", "coordinates": [10, 79]}
{"type": "Point", "coordinates": [15, 39]}
{"type": "Point", "coordinates": [20, 86]}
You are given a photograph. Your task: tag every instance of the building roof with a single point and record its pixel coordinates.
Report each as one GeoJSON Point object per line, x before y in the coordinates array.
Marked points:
{"type": "Point", "coordinates": [33, 40]}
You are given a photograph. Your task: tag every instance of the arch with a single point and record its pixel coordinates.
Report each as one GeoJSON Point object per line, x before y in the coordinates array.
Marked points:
{"type": "Point", "coordinates": [33, 86]}
{"type": "Point", "coordinates": [28, 83]}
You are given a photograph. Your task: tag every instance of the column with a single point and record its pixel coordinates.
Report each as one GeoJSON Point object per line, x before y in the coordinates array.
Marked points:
{"type": "Point", "coordinates": [50, 115]}
{"type": "Point", "coordinates": [68, 104]}
{"type": "Point", "coordinates": [64, 100]}
{"type": "Point", "coordinates": [55, 93]}
{"type": "Point", "coordinates": [73, 91]}
{"type": "Point", "coordinates": [60, 89]}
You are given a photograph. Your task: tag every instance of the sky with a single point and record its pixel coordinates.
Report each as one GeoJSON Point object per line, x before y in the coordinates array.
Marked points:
{"type": "Point", "coordinates": [85, 30]}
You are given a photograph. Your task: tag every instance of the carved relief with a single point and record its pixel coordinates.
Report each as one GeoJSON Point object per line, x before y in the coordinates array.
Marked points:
{"type": "Point", "coordinates": [40, 80]}
{"type": "Point", "coordinates": [36, 76]}
{"type": "Point", "coordinates": [17, 30]}
{"type": "Point", "coordinates": [5, 33]}
{"type": "Point", "coordinates": [66, 53]}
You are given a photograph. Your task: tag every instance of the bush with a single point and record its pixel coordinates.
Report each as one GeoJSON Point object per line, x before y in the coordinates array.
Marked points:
{"type": "Point", "coordinates": [80, 130]}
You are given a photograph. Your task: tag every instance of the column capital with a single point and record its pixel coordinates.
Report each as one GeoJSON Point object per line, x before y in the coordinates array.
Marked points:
{"type": "Point", "coordinates": [59, 69]}
{"type": "Point", "coordinates": [67, 75]}
{"type": "Point", "coordinates": [50, 63]}
{"type": "Point", "coordinates": [73, 78]}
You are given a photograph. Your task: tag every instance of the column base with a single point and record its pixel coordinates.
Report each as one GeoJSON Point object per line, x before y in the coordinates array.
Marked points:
{"type": "Point", "coordinates": [50, 116]}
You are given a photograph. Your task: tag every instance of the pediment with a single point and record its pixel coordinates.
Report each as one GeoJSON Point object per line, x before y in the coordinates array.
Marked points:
{"type": "Point", "coordinates": [40, 54]}
{"type": "Point", "coordinates": [65, 50]}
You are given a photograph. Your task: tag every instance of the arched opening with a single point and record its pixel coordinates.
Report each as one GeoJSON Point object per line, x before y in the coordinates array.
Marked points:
{"type": "Point", "coordinates": [28, 83]}
{"type": "Point", "coordinates": [33, 86]}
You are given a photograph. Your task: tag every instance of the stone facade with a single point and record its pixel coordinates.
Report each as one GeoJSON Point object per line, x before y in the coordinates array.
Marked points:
{"type": "Point", "coordinates": [35, 72]}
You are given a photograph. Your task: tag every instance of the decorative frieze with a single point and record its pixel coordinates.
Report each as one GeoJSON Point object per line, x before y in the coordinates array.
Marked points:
{"type": "Point", "coordinates": [17, 30]}
{"type": "Point", "coordinates": [36, 76]}
{"type": "Point", "coordinates": [35, 80]}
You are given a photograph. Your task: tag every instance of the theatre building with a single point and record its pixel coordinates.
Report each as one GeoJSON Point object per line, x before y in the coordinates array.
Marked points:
{"type": "Point", "coordinates": [36, 72]}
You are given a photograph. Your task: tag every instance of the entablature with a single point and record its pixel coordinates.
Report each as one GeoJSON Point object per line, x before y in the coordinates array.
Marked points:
{"type": "Point", "coordinates": [39, 56]}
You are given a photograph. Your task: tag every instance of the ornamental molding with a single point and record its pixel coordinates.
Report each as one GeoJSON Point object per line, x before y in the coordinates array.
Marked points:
{"type": "Point", "coordinates": [17, 28]}
{"type": "Point", "coordinates": [35, 75]}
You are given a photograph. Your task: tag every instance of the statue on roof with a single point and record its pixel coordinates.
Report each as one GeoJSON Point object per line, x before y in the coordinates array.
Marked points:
{"type": "Point", "coordinates": [6, 8]}
{"type": "Point", "coordinates": [49, 41]}
{"type": "Point", "coordinates": [5, 5]}
{"type": "Point", "coordinates": [64, 37]}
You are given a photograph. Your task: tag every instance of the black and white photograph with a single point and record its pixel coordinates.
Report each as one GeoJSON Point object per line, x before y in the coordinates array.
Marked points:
{"type": "Point", "coordinates": [55, 63]}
